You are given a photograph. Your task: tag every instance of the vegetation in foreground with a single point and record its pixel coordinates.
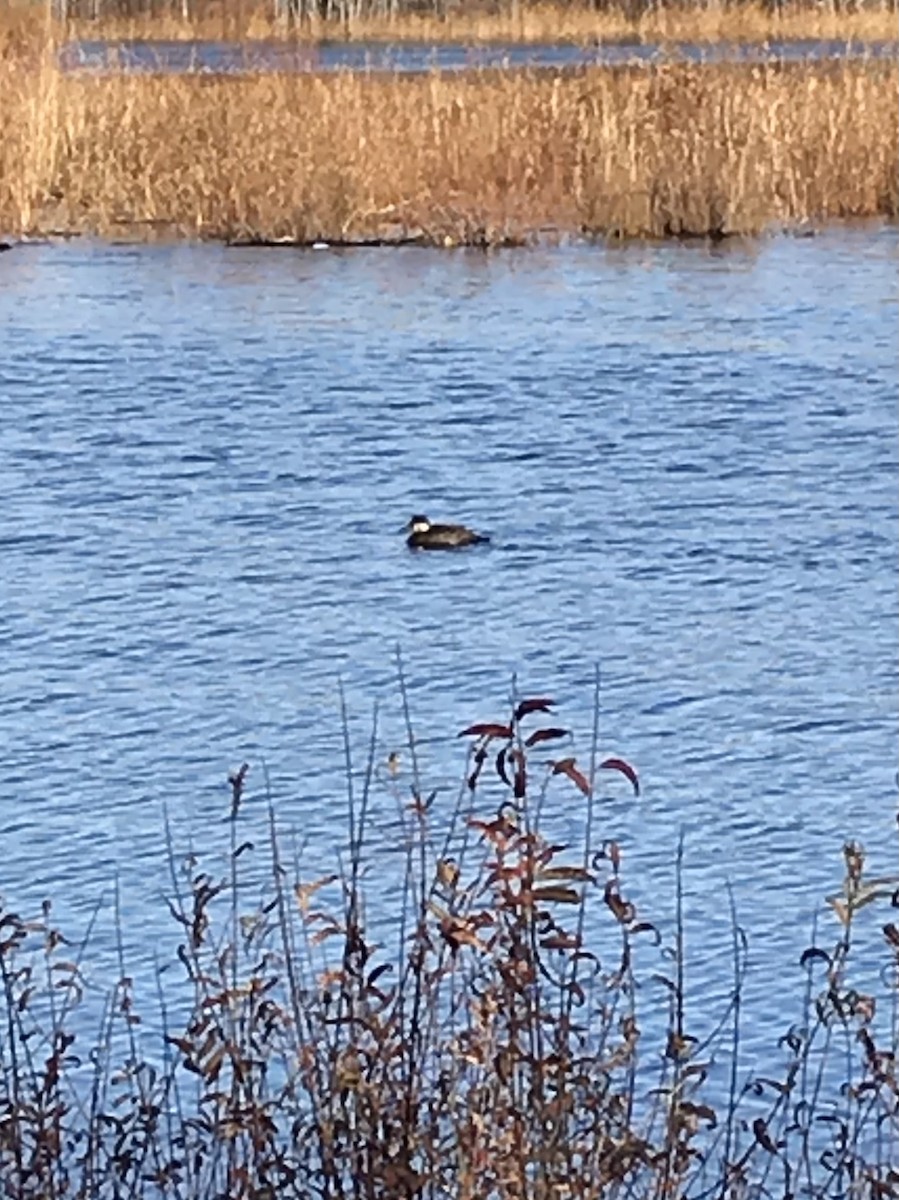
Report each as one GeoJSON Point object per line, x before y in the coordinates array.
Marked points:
{"type": "Point", "coordinates": [503, 1048]}
{"type": "Point", "coordinates": [486, 158]}
{"type": "Point", "coordinates": [516, 21]}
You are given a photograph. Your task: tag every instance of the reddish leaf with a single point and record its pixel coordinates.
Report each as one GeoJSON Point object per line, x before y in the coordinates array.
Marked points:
{"type": "Point", "coordinates": [623, 910]}
{"type": "Point", "coordinates": [501, 766]}
{"type": "Point", "coordinates": [610, 850]}
{"type": "Point", "coordinates": [577, 873]}
{"type": "Point", "coordinates": [814, 954]}
{"type": "Point", "coordinates": [560, 941]}
{"type": "Point", "coordinates": [479, 759]}
{"type": "Point", "coordinates": [577, 991]}
{"type": "Point", "coordinates": [545, 735]}
{"type": "Point", "coordinates": [556, 895]}
{"type": "Point", "coordinates": [618, 764]}
{"type": "Point", "coordinates": [565, 766]}
{"type": "Point", "coordinates": [487, 729]}
{"type": "Point", "coordinates": [702, 1112]}
{"type": "Point", "coordinates": [541, 704]}
{"type": "Point", "coordinates": [647, 927]}
{"type": "Point", "coordinates": [377, 972]}
{"type": "Point", "coordinates": [762, 1136]}
{"type": "Point", "coordinates": [521, 775]}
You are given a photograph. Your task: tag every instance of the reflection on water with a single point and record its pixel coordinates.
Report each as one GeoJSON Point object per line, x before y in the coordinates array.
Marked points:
{"type": "Point", "coordinates": [176, 57]}
{"type": "Point", "coordinates": [687, 460]}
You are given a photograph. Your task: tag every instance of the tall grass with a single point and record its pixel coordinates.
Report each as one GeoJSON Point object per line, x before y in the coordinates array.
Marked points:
{"type": "Point", "coordinates": [583, 23]}
{"type": "Point", "coordinates": [488, 157]}
{"type": "Point", "coordinates": [497, 1048]}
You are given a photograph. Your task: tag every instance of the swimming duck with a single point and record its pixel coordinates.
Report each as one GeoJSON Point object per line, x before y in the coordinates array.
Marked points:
{"type": "Point", "coordinates": [425, 536]}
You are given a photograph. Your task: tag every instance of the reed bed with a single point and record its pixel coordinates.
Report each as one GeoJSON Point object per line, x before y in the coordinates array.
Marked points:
{"type": "Point", "coordinates": [527, 1036]}
{"type": "Point", "coordinates": [469, 23]}
{"type": "Point", "coordinates": [486, 158]}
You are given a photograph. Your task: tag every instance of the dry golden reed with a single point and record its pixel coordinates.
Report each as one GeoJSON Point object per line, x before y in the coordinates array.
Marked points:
{"type": "Point", "coordinates": [671, 149]}
{"type": "Point", "coordinates": [517, 22]}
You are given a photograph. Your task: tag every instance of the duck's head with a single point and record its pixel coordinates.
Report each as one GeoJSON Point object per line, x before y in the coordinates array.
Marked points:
{"type": "Point", "coordinates": [419, 524]}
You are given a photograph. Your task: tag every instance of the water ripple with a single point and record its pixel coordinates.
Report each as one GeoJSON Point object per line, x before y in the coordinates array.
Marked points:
{"type": "Point", "coordinates": [687, 461]}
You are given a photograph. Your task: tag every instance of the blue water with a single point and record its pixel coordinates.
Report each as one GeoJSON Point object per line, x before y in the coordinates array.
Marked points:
{"type": "Point", "coordinates": [687, 459]}
{"type": "Point", "coordinates": [417, 57]}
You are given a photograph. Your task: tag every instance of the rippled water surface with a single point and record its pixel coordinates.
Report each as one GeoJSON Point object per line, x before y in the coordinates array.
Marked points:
{"type": "Point", "coordinates": [687, 460]}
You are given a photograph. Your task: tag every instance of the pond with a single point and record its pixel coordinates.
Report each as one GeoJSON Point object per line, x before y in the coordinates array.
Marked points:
{"type": "Point", "coordinates": [175, 57]}
{"type": "Point", "coordinates": [686, 457]}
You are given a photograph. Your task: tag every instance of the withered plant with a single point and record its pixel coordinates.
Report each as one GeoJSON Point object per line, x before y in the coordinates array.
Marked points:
{"type": "Point", "coordinates": [483, 158]}
{"type": "Point", "coordinates": [469, 22]}
{"type": "Point", "coordinates": [494, 1044]}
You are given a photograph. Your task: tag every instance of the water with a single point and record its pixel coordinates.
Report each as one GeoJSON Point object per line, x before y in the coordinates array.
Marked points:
{"type": "Point", "coordinates": [417, 57]}
{"type": "Point", "coordinates": [687, 459]}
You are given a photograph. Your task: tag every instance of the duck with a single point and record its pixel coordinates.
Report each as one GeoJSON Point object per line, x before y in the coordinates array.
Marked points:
{"type": "Point", "coordinates": [423, 535]}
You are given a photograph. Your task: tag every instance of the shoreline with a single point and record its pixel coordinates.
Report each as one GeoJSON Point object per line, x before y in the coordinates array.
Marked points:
{"type": "Point", "coordinates": [151, 233]}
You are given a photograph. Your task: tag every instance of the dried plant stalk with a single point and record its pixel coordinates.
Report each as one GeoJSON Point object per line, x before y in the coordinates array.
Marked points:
{"type": "Point", "coordinates": [467, 22]}
{"type": "Point", "coordinates": [483, 158]}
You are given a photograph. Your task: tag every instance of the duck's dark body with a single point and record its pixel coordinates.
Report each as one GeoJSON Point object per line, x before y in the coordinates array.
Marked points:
{"type": "Point", "coordinates": [425, 536]}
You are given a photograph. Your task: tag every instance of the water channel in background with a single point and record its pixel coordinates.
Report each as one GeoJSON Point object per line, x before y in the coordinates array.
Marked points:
{"type": "Point", "coordinates": [178, 57]}
{"type": "Point", "coordinates": [686, 457]}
